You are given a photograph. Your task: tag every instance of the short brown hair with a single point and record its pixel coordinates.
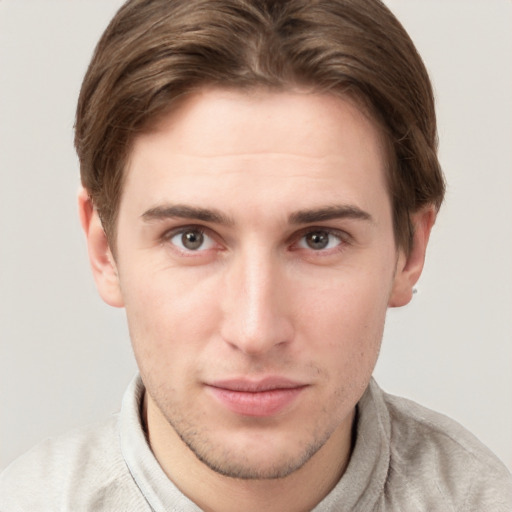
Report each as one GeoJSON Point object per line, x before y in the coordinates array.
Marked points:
{"type": "Point", "coordinates": [155, 52]}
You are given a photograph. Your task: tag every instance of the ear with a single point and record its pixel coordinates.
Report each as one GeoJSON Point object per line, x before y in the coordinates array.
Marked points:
{"type": "Point", "coordinates": [409, 267]}
{"type": "Point", "coordinates": [102, 262]}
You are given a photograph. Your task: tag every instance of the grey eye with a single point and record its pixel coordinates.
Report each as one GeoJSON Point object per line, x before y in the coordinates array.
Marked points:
{"type": "Point", "coordinates": [319, 240]}
{"type": "Point", "coordinates": [192, 239]}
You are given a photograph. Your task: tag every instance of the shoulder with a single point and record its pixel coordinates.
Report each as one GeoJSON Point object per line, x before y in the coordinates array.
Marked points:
{"type": "Point", "coordinates": [431, 452]}
{"type": "Point", "coordinates": [81, 470]}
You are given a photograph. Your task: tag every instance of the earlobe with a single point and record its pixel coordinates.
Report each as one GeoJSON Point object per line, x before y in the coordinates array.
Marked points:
{"type": "Point", "coordinates": [102, 262]}
{"type": "Point", "coordinates": [409, 267]}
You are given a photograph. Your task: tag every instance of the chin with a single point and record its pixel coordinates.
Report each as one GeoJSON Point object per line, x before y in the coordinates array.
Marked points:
{"type": "Point", "coordinates": [255, 459]}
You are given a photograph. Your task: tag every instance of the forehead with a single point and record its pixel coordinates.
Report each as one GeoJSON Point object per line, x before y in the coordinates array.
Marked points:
{"type": "Point", "coordinates": [218, 141]}
{"type": "Point", "coordinates": [222, 119]}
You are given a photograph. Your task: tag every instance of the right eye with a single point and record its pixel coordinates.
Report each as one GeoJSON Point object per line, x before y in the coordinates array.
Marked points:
{"type": "Point", "coordinates": [191, 240]}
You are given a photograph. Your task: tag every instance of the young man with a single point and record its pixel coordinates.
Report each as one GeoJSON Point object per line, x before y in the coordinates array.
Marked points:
{"type": "Point", "coordinates": [259, 184]}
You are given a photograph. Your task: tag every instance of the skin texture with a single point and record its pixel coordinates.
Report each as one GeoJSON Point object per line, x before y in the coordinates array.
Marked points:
{"type": "Point", "coordinates": [255, 242]}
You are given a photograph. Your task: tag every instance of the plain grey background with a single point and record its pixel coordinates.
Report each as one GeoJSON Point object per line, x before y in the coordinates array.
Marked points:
{"type": "Point", "coordinates": [65, 357]}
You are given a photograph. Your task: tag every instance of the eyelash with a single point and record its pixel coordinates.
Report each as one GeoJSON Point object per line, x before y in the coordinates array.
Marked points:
{"type": "Point", "coordinates": [343, 237]}
{"type": "Point", "coordinates": [169, 235]}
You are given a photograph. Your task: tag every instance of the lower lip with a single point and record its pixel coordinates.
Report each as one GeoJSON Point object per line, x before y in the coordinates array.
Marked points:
{"type": "Point", "coordinates": [260, 403]}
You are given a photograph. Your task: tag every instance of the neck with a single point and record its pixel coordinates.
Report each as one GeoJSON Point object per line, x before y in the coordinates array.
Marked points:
{"type": "Point", "coordinates": [300, 491]}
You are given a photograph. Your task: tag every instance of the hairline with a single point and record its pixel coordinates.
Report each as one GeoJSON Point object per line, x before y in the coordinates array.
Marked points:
{"type": "Point", "coordinates": [356, 98]}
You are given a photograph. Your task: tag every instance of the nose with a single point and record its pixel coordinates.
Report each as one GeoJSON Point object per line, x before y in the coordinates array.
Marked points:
{"type": "Point", "coordinates": [255, 303]}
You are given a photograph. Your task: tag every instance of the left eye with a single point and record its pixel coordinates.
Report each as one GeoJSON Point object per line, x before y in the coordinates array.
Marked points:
{"type": "Point", "coordinates": [319, 240]}
{"type": "Point", "coordinates": [192, 239]}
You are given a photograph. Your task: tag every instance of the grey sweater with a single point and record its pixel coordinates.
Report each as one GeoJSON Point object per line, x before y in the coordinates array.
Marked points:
{"type": "Point", "coordinates": [406, 458]}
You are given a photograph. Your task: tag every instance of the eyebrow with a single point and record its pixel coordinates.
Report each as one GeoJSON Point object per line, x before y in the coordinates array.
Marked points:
{"type": "Point", "coordinates": [329, 213]}
{"type": "Point", "coordinates": [186, 212]}
{"type": "Point", "coordinates": [216, 217]}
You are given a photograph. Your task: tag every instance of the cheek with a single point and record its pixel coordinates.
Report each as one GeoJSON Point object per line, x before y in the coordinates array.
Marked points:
{"type": "Point", "coordinates": [345, 324]}
{"type": "Point", "coordinates": [169, 318]}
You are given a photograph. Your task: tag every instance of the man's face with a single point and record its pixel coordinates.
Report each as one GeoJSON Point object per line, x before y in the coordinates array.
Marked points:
{"type": "Point", "coordinates": [256, 261]}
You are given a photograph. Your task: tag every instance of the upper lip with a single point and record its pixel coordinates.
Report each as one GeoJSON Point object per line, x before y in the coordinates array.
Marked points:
{"type": "Point", "coordinates": [256, 385]}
